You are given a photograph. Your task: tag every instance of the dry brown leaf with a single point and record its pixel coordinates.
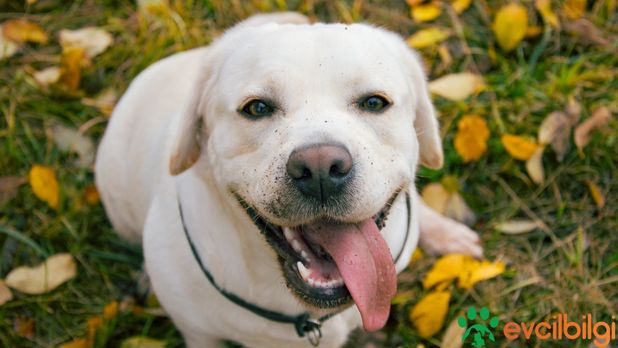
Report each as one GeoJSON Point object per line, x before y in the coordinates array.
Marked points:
{"type": "Point", "coordinates": [457, 209]}
{"type": "Point", "coordinates": [425, 13]}
{"type": "Point", "coordinates": [453, 334]}
{"type": "Point", "coordinates": [549, 16]}
{"type": "Point", "coordinates": [518, 147]}
{"type": "Point", "coordinates": [573, 110]}
{"type": "Point", "coordinates": [44, 277]}
{"type": "Point", "coordinates": [5, 293]}
{"type": "Point", "coordinates": [574, 9]}
{"type": "Point", "coordinates": [596, 194]}
{"type": "Point", "coordinates": [105, 101]}
{"type": "Point", "coordinates": [586, 32]}
{"type": "Point", "coordinates": [471, 138]}
{"type": "Point", "coordinates": [7, 48]}
{"type": "Point", "coordinates": [91, 195]}
{"type": "Point", "coordinates": [429, 313]}
{"type": "Point", "coordinates": [428, 37]}
{"type": "Point", "coordinates": [510, 26]}
{"type": "Point", "coordinates": [517, 226]}
{"type": "Point", "coordinates": [71, 140]}
{"type": "Point", "coordinates": [47, 76]}
{"type": "Point", "coordinates": [77, 343]}
{"type": "Point", "coordinates": [142, 342]}
{"type": "Point", "coordinates": [458, 86]}
{"type": "Point", "coordinates": [92, 40]}
{"type": "Point", "coordinates": [44, 184]}
{"type": "Point", "coordinates": [24, 327]}
{"type": "Point", "coordinates": [71, 64]}
{"type": "Point", "coordinates": [556, 130]}
{"type": "Point", "coordinates": [460, 5]}
{"type": "Point", "coordinates": [21, 30]}
{"type": "Point", "coordinates": [599, 118]}
{"type": "Point", "coordinates": [534, 166]}
{"type": "Point", "coordinates": [9, 186]}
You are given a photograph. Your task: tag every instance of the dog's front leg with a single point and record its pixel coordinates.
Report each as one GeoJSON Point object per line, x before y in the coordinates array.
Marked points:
{"type": "Point", "coordinates": [442, 235]}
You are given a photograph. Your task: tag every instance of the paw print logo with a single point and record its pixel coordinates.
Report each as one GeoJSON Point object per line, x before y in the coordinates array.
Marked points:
{"type": "Point", "coordinates": [478, 331]}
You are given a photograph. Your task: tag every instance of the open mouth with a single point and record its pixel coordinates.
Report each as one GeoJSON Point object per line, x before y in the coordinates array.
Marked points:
{"type": "Point", "coordinates": [327, 264]}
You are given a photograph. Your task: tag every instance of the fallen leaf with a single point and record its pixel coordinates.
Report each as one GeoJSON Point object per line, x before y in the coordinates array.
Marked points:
{"type": "Point", "coordinates": [457, 209]}
{"type": "Point", "coordinates": [77, 343]}
{"type": "Point", "coordinates": [5, 293]}
{"type": "Point", "coordinates": [574, 9]}
{"type": "Point", "coordinates": [534, 166]}
{"type": "Point", "coordinates": [446, 269]}
{"type": "Point", "coordinates": [91, 195]}
{"type": "Point", "coordinates": [71, 140]}
{"type": "Point", "coordinates": [453, 334]}
{"type": "Point", "coordinates": [413, 3]}
{"type": "Point", "coordinates": [92, 40]}
{"type": "Point", "coordinates": [510, 26]}
{"type": "Point", "coordinates": [435, 196]}
{"type": "Point", "coordinates": [549, 16]}
{"type": "Point", "coordinates": [556, 130]}
{"type": "Point", "coordinates": [573, 110]}
{"type": "Point", "coordinates": [44, 277]}
{"type": "Point", "coordinates": [518, 147]}
{"type": "Point", "coordinates": [533, 31]}
{"type": "Point", "coordinates": [70, 67]}
{"type": "Point", "coordinates": [44, 184]}
{"type": "Point", "coordinates": [153, 6]}
{"type": "Point", "coordinates": [425, 13]}
{"type": "Point", "coordinates": [47, 76]}
{"type": "Point", "coordinates": [24, 327]}
{"type": "Point", "coordinates": [429, 313]}
{"type": "Point", "coordinates": [92, 325]}
{"type": "Point", "coordinates": [142, 342]}
{"type": "Point", "coordinates": [21, 30]}
{"type": "Point", "coordinates": [450, 204]}
{"type": "Point", "coordinates": [586, 32]}
{"type": "Point", "coordinates": [428, 37]}
{"type": "Point", "coordinates": [461, 5]}
{"type": "Point", "coordinates": [596, 194]}
{"type": "Point", "coordinates": [105, 101]}
{"type": "Point", "coordinates": [599, 118]}
{"type": "Point", "coordinates": [517, 226]}
{"type": "Point", "coordinates": [110, 311]}
{"type": "Point", "coordinates": [9, 186]}
{"type": "Point", "coordinates": [471, 138]}
{"type": "Point", "coordinates": [479, 271]}
{"type": "Point", "coordinates": [7, 48]}
{"type": "Point", "coordinates": [457, 86]}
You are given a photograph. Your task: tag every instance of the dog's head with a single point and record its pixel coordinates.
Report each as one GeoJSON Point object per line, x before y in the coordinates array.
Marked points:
{"type": "Point", "coordinates": [315, 130]}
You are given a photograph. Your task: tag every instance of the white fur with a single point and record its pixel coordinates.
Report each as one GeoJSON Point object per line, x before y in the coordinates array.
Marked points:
{"type": "Point", "coordinates": [180, 117]}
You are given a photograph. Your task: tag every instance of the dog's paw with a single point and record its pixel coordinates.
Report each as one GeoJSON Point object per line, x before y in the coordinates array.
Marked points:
{"type": "Point", "coordinates": [447, 236]}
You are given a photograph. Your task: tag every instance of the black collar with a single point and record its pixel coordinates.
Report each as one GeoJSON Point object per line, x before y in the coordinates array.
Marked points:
{"type": "Point", "coordinates": [304, 325]}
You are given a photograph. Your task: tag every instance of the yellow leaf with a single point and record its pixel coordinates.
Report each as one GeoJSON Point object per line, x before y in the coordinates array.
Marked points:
{"type": "Point", "coordinates": [479, 271]}
{"type": "Point", "coordinates": [5, 293]}
{"type": "Point", "coordinates": [77, 343]}
{"type": "Point", "coordinates": [403, 297]}
{"type": "Point", "coordinates": [457, 86]}
{"type": "Point", "coordinates": [416, 255]}
{"type": "Point", "coordinates": [110, 311]}
{"type": "Point", "coordinates": [70, 67]}
{"type": "Point", "coordinates": [445, 269]}
{"type": "Point", "coordinates": [471, 138]}
{"type": "Point", "coordinates": [142, 342]}
{"type": "Point", "coordinates": [91, 194]}
{"type": "Point", "coordinates": [428, 315]}
{"type": "Point", "coordinates": [92, 325]}
{"type": "Point", "coordinates": [413, 3]}
{"type": "Point", "coordinates": [425, 13]}
{"type": "Point", "coordinates": [21, 30]}
{"type": "Point", "coordinates": [596, 194]}
{"type": "Point", "coordinates": [461, 5]}
{"type": "Point", "coordinates": [518, 147]}
{"type": "Point", "coordinates": [428, 37]}
{"type": "Point", "coordinates": [544, 7]}
{"type": "Point", "coordinates": [435, 196]}
{"type": "Point", "coordinates": [44, 184]}
{"type": "Point", "coordinates": [574, 9]}
{"type": "Point", "coordinates": [533, 31]}
{"type": "Point", "coordinates": [510, 26]}
{"type": "Point", "coordinates": [92, 40]}
{"type": "Point", "coordinates": [44, 277]}
{"type": "Point", "coordinates": [599, 118]}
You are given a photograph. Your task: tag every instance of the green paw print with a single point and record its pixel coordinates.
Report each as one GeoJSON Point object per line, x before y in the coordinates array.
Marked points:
{"type": "Point", "coordinates": [479, 331]}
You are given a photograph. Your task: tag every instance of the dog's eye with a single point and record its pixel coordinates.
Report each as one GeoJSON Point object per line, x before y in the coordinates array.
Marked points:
{"type": "Point", "coordinates": [373, 103]}
{"type": "Point", "coordinates": [257, 108]}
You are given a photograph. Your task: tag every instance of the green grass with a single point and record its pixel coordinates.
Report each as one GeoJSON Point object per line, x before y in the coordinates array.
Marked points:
{"type": "Point", "coordinates": [547, 271]}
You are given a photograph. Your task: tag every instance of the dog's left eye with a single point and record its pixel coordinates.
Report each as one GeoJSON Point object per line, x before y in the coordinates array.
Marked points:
{"type": "Point", "coordinates": [374, 103]}
{"type": "Point", "coordinates": [257, 108]}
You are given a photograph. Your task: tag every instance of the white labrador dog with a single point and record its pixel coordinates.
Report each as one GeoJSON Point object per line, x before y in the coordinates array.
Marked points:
{"type": "Point", "coordinates": [259, 173]}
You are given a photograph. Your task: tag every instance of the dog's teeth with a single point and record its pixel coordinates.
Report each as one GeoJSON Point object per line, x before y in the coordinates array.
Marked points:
{"type": "Point", "coordinates": [304, 272]}
{"type": "Point", "coordinates": [311, 282]}
{"type": "Point", "coordinates": [289, 235]}
{"type": "Point", "coordinates": [304, 255]}
{"type": "Point", "coordinates": [296, 245]}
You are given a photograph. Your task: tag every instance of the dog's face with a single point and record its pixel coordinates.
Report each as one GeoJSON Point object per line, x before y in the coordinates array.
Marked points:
{"type": "Point", "coordinates": [315, 130]}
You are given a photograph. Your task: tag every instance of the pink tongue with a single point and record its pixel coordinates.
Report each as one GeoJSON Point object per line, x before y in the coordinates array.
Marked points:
{"type": "Point", "coordinates": [365, 263]}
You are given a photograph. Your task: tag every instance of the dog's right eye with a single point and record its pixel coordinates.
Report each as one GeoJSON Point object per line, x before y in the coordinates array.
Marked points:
{"type": "Point", "coordinates": [257, 108]}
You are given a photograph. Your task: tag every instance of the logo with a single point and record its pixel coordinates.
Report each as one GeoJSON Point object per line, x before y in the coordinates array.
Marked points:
{"type": "Point", "coordinates": [476, 332]}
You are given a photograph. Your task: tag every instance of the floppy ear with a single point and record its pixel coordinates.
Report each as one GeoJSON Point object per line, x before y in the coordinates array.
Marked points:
{"type": "Point", "coordinates": [428, 130]}
{"type": "Point", "coordinates": [186, 141]}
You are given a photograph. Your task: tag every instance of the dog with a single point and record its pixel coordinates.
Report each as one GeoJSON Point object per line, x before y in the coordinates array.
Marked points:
{"type": "Point", "coordinates": [270, 180]}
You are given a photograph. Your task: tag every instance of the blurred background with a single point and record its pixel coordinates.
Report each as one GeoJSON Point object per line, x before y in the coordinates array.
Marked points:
{"type": "Point", "coordinates": [527, 96]}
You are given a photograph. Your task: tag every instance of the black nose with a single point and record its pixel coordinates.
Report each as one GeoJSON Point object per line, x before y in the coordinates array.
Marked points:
{"type": "Point", "coordinates": [321, 170]}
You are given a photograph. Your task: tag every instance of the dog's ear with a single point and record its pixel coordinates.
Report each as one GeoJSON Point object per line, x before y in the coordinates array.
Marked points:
{"type": "Point", "coordinates": [186, 143]}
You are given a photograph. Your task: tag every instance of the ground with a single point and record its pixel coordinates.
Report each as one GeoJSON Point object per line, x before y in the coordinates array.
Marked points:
{"type": "Point", "coordinates": [569, 266]}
